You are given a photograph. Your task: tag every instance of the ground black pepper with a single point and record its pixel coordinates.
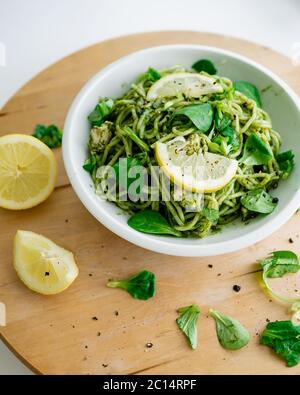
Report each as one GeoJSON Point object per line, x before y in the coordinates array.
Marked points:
{"type": "Point", "coordinates": [236, 288]}
{"type": "Point", "coordinates": [149, 345]}
{"type": "Point", "coordinates": [95, 318]}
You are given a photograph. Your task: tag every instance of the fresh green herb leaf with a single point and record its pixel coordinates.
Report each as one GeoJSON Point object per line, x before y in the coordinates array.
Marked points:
{"type": "Point", "coordinates": [221, 121]}
{"type": "Point", "coordinates": [286, 163]}
{"type": "Point", "coordinates": [259, 201]}
{"type": "Point", "coordinates": [204, 65]}
{"type": "Point", "coordinates": [284, 338]}
{"type": "Point", "coordinates": [153, 74]}
{"type": "Point", "coordinates": [100, 112]}
{"type": "Point", "coordinates": [149, 221]}
{"type": "Point", "coordinates": [277, 265]}
{"type": "Point", "coordinates": [187, 322]}
{"type": "Point", "coordinates": [231, 334]}
{"type": "Point", "coordinates": [200, 114]}
{"type": "Point", "coordinates": [211, 214]}
{"type": "Point", "coordinates": [249, 90]}
{"type": "Point", "coordinates": [256, 152]}
{"type": "Point", "coordinates": [50, 135]}
{"type": "Point", "coordinates": [140, 286]}
{"type": "Point", "coordinates": [90, 164]}
{"type": "Point", "coordinates": [280, 263]}
{"type": "Point", "coordinates": [123, 167]}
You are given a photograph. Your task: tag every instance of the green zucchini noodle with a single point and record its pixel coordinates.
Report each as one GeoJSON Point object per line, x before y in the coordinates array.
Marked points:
{"type": "Point", "coordinates": [150, 122]}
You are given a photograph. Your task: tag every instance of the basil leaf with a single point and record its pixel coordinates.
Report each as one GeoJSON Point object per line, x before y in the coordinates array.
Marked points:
{"type": "Point", "coordinates": [149, 221]}
{"type": "Point", "coordinates": [140, 286]}
{"type": "Point", "coordinates": [256, 152]}
{"type": "Point", "coordinates": [154, 75]}
{"type": "Point", "coordinates": [204, 65]}
{"type": "Point", "coordinates": [100, 112]}
{"type": "Point", "coordinates": [231, 334]}
{"type": "Point", "coordinates": [90, 164]}
{"type": "Point", "coordinates": [200, 114]}
{"type": "Point", "coordinates": [187, 322]}
{"type": "Point", "coordinates": [284, 338]}
{"type": "Point", "coordinates": [123, 167]}
{"type": "Point", "coordinates": [280, 263]}
{"type": "Point", "coordinates": [286, 163]}
{"type": "Point", "coordinates": [50, 135]}
{"type": "Point", "coordinates": [258, 201]}
{"type": "Point", "coordinates": [249, 90]}
{"type": "Point", "coordinates": [211, 214]}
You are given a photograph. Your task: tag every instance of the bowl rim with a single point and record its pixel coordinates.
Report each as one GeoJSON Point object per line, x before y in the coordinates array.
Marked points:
{"type": "Point", "coordinates": [148, 241]}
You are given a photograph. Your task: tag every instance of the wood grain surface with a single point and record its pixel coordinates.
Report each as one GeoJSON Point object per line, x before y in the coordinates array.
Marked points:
{"type": "Point", "coordinates": [57, 334]}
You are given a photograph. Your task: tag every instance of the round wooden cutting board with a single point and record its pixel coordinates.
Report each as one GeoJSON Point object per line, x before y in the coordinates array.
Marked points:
{"type": "Point", "coordinates": [57, 334]}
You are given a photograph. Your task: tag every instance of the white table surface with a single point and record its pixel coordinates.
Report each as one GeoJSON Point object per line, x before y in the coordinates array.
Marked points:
{"type": "Point", "coordinates": [36, 33]}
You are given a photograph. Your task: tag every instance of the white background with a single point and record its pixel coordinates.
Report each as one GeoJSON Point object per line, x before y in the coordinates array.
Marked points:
{"type": "Point", "coordinates": [36, 33]}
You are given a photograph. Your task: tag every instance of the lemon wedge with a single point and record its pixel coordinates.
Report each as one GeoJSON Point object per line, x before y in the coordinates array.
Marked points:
{"type": "Point", "coordinates": [43, 266]}
{"type": "Point", "coordinates": [28, 171]}
{"type": "Point", "coordinates": [191, 170]}
{"type": "Point", "coordinates": [190, 84]}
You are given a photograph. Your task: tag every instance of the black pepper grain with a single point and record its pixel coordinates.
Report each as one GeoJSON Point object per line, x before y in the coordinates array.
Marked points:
{"type": "Point", "coordinates": [236, 288]}
{"type": "Point", "coordinates": [116, 313]}
{"type": "Point", "coordinates": [291, 240]}
{"type": "Point", "coordinates": [149, 345]}
{"type": "Point", "coordinates": [210, 265]}
{"type": "Point", "coordinates": [95, 318]}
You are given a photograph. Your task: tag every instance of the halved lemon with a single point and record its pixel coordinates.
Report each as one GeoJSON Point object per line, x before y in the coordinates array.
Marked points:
{"type": "Point", "coordinates": [191, 170]}
{"type": "Point", "coordinates": [42, 265]}
{"type": "Point", "coordinates": [190, 84]}
{"type": "Point", "coordinates": [28, 171]}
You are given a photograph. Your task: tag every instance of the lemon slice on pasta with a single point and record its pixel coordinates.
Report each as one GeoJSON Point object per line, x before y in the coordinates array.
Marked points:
{"type": "Point", "coordinates": [190, 84]}
{"type": "Point", "coordinates": [194, 171]}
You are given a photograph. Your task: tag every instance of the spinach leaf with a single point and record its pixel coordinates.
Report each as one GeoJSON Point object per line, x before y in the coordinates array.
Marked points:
{"type": "Point", "coordinates": [49, 135]}
{"type": "Point", "coordinates": [280, 263]}
{"type": "Point", "coordinates": [256, 152]}
{"type": "Point", "coordinates": [211, 214]}
{"type": "Point", "coordinates": [259, 201]}
{"type": "Point", "coordinates": [277, 265]}
{"type": "Point", "coordinates": [205, 65]}
{"type": "Point", "coordinates": [149, 221]}
{"type": "Point", "coordinates": [123, 167]}
{"type": "Point", "coordinates": [90, 164]}
{"type": "Point", "coordinates": [200, 114]}
{"type": "Point", "coordinates": [286, 163]}
{"type": "Point", "coordinates": [284, 338]}
{"type": "Point", "coordinates": [231, 334]}
{"type": "Point", "coordinates": [100, 112]}
{"type": "Point", "coordinates": [248, 90]}
{"type": "Point", "coordinates": [140, 286]}
{"type": "Point", "coordinates": [187, 322]}
{"type": "Point", "coordinates": [154, 75]}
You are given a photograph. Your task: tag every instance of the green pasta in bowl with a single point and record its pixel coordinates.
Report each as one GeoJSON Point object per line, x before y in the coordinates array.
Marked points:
{"type": "Point", "coordinates": [176, 148]}
{"type": "Point", "coordinates": [180, 121]}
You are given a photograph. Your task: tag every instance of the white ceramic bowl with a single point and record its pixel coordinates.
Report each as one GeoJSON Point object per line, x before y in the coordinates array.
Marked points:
{"type": "Point", "coordinates": [112, 81]}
